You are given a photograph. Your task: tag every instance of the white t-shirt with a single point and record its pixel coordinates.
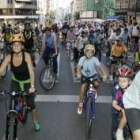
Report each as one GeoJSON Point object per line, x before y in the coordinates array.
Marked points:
{"type": "Point", "coordinates": [131, 98]}
{"type": "Point", "coordinates": [135, 31]}
{"type": "Point", "coordinates": [81, 42]}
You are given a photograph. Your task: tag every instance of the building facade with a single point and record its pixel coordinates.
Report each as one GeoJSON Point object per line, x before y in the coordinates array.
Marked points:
{"type": "Point", "coordinates": [18, 9]}
{"type": "Point", "coordinates": [128, 8]}
{"type": "Point", "coordinates": [77, 5]}
{"type": "Point", "coordinates": [102, 8]}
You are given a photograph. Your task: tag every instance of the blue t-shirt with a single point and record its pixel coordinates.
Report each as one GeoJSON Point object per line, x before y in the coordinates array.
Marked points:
{"type": "Point", "coordinates": [89, 66]}
{"type": "Point", "coordinates": [98, 38]}
{"type": "Point", "coordinates": [118, 97]}
{"type": "Point", "coordinates": [49, 41]}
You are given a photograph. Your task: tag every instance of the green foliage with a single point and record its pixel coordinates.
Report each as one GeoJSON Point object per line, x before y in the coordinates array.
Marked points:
{"type": "Point", "coordinates": [77, 15]}
{"type": "Point", "coordinates": [50, 15]}
{"type": "Point", "coordinates": [67, 17]}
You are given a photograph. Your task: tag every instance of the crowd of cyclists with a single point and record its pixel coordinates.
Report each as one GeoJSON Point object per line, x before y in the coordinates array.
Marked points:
{"type": "Point", "coordinates": [87, 40]}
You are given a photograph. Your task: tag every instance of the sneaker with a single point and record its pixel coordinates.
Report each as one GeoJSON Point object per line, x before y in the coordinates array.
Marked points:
{"type": "Point", "coordinates": [79, 110]}
{"type": "Point", "coordinates": [111, 78]}
{"type": "Point", "coordinates": [36, 126]}
{"type": "Point", "coordinates": [119, 135]}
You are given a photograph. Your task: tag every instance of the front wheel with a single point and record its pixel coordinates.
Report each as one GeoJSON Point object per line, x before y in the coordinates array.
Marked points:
{"type": "Point", "coordinates": [47, 78]}
{"type": "Point", "coordinates": [88, 117]}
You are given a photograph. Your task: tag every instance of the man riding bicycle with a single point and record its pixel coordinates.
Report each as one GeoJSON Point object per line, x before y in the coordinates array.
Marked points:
{"type": "Point", "coordinates": [29, 36]}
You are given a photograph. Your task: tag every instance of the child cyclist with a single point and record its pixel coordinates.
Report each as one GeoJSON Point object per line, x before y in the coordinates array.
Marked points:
{"type": "Point", "coordinates": [124, 79]}
{"type": "Point", "coordinates": [86, 69]}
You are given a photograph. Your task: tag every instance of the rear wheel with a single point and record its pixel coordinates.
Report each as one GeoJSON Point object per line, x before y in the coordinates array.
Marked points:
{"type": "Point", "coordinates": [47, 78]}
{"type": "Point", "coordinates": [88, 117]}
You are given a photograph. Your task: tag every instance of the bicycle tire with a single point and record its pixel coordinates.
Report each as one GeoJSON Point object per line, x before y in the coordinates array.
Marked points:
{"type": "Point", "coordinates": [42, 79]}
{"type": "Point", "coordinates": [88, 117]}
{"type": "Point", "coordinates": [11, 133]}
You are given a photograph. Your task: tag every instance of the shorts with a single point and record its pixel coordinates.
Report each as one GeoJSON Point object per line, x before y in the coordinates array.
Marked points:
{"type": "Point", "coordinates": [114, 57]}
{"type": "Point", "coordinates": [30, 99]}
{"type": "Point", "coordinates": [133, 118]}
{"type": "Point", "coordinates": [85, 79]}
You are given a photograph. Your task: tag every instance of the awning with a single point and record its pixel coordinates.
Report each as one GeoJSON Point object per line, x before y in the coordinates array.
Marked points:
{"type": "Point", "coordinates": [115, 18]}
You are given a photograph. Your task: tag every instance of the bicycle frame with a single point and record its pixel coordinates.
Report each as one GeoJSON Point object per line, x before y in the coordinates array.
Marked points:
{"type": "Point", "coordinates": [90, 94]}
{"type": "Point", "coordinates": [93, 110]}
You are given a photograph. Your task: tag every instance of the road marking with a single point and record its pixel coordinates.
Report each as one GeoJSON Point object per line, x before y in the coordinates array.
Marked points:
{"type": "Point", "coordinates": [69, 98]}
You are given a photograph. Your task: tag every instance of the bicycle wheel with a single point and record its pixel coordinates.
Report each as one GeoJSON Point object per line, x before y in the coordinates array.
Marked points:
{"type": "Point", "coordinates": [88, 117]}
{"type": "Point", "coordinates": [11, 134]}
{"type": "Point", "coordinates": [47, 78]}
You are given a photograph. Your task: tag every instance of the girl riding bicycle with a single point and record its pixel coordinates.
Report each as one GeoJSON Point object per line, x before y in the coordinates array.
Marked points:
{"type": "Point", "coordinates": [86, 69]}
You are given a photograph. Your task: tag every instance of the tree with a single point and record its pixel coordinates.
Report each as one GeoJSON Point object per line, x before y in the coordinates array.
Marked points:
{"type": "Point", "coordinates": [77, 15]}
{"type": "Point", "coordinates": [50, 15]}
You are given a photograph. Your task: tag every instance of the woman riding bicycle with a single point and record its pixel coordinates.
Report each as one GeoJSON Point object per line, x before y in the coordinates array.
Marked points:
{"type": "Point", "coordinates": [23, 77]}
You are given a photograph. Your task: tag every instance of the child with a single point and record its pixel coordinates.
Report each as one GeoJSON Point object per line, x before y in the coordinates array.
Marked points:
{"type": "Point", "coordinates": [86, 69]}
{"type": "Point", "coordinates": [124, 74]}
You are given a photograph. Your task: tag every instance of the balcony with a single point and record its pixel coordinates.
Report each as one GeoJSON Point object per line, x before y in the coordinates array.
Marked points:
{"type": "Point", "coordinates": [24, 6]}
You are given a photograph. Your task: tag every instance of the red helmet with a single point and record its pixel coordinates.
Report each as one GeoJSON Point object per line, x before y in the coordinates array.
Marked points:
{"type": "Point", "coordinates": [124, 72]}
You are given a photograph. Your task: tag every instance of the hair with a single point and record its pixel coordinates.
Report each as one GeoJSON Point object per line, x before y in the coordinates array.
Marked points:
{"type": "Point", "coordinates": [47, 29]}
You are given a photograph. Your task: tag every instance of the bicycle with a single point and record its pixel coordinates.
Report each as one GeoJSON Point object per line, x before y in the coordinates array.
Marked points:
{"type": "Point", "coordinates": [89, 105]}
{"type": "Point", "coordinates": [70, 50]}
{"type": "Point", "coordinates": [4, 50]}
{"type": "Point", "coordinates": [18, 112]}
{"type": "Point", "coordinates": [47, 76]}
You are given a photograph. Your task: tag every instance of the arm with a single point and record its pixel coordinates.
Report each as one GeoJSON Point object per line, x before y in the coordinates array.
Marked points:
{"type": "Point", "coordinates": [103, 73]}
{"type": "Point", "coordinates": [78, 71]}
{"type": "Point", "coordinates": [116, 106]}
{"type": "Point", "coordinates": [31, 72]}
{"type": "Point", "coordinates": [5, 63]}
{"type": "Point", "coordinates": [77, 42]}
{"type": "Point", "coordinates": [55, 44]}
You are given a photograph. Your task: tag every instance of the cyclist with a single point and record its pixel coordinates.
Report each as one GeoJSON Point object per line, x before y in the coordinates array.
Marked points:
{"type": "Point", "coordinates": [50, 48]}
{"type": "Point", "coordinates": [64, 30]}
{"type": "Point", "coordinates": [124, 80]}
{"type": "Point", "coordinates": [23, 78]}
{"type": "Point", "coordinates": [91, 36]}
{"type": "Point", "coordinates": [71, 37]}
{"type": "Point", "coordinates": [29, 36]}
{"type": "Point", "coordinates": [87, 68]}
{"type": "Point", "coordinates": [118, 51]}
{"type": "Point", "coordinates": [131, 101]}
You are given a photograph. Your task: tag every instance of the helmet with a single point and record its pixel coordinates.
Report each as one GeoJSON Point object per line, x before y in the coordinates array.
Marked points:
{"type": "Point", "coordinates": [89, 47]}
{"type": "Point", "coordinates": [17, 38]}
{"type": "Point", "coordinates": [124, 72]}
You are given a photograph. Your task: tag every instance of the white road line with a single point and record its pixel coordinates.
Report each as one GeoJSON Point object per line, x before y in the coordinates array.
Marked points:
{"type": "Point", "coordinates": [69, 98]}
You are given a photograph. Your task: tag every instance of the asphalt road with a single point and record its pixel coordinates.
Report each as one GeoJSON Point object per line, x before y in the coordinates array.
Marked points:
{"type": "Point", "coordinates": [57, 108]}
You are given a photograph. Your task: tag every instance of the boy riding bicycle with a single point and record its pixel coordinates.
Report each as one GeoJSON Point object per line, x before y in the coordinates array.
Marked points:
{"type": "Point", "coordinates": [124, 74]}
{"type": "Point", "coordinates": [86, 69]}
